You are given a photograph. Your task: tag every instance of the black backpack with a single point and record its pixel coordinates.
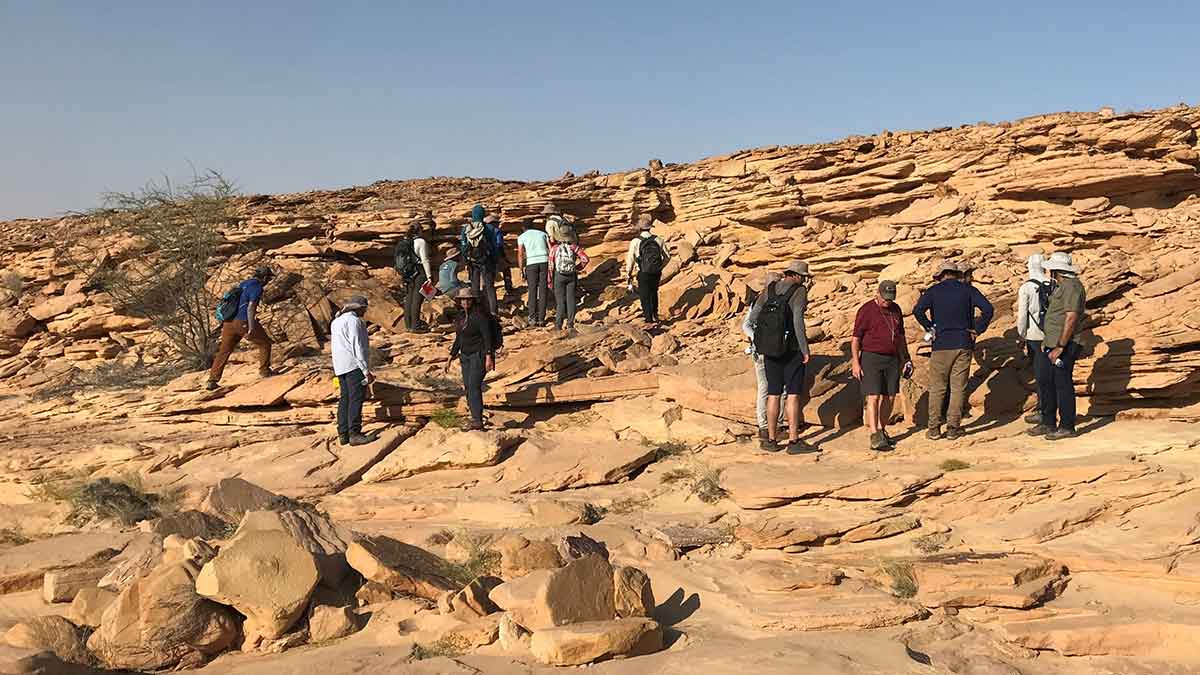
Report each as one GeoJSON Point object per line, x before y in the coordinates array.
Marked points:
{"type": "Point", "coordinates": [407, 264]}
{"type": "Point", "coordinates": [650, 256]}
{"type": "Point", "coordinates": [1044, 290]}
{"type": "Point", "coordinates": [773, 334]}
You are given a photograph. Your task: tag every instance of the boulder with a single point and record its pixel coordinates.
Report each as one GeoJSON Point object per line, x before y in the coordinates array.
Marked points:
{"type": "Point", "coordinates": [576, 546]}
{"type": "Point", "coordinates": [473, 601]}
{"type": "Point", "coordinates": [266, 576]}
{"type": "Point", "coordinates": [435, 448]}
{"type": "Point", "coordinates": [88, 606]}
{"type": "Point", "coordinates": [15, 323]}
{"type": "Point", "coordinates": [48, 309]}
{"type": "Point", "coordinates": [312, 531]}
{"type": "Point", "coordinates": [190, 525]}
{"type": "Point", "coordinates": [632, 594]}
{"type": "Point", "coordinates": [23, 567]}
{"type": "Point", "coordinates": [513, 637]}
{"type": "Point", "coordinates": [141, 555]}
{"type": "Point", "coordinates": [581, 591]}
{"type": "Point", "coordinates": [372, 593]}
{"type": "Point", "coordinates": [231, 498]}
{"type": "Point", "coordinates": [327, 623]}
{"type": "Point", "coordinates": [159, 622]}
{"type": "Point", "coordinates": [400, 567]}
{"type": "Point", "coordinates": [52, 634]}
{"type": "Point", "coordinates": [63, 585]}
{"type": "Point", "coordinates": [580, 643]}
{"type": "Point", "coordinates": [520, 556]}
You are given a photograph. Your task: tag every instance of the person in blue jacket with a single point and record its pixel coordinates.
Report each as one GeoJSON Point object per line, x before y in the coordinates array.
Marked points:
{"type": "Point", "coordinates": [947, 310]}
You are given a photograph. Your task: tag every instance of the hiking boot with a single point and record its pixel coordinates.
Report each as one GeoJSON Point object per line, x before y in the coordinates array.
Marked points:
{"type": "Point", "coordinates": [212, 385]}
{"type": "Point", "coordinates": [890, 441]}
{"type": "Point", "coordinates": [953, 433]}
{"type": "Point", "coordinates": [1060, 434]}
{"type": "Point", "coordinates": [763, 434]}
{"type": "Point", "coordinates": [1033, 418]}
{"type": "Point", "coordinates": [768, 445]}
{"type": "Point", "coordinates": [267, 372]}
{"type": "Point", "coordinates": [878, 441]}
{"type": "Point", "coordinates": [934, 434]}
{"type": "Point", "coordinates": [799, 447]}
{"type": "Point", "coordinates": [1039, 430]}
{"type": "Point", "coordinates": [343, 440]}
{"type": "Point", "coordinates": [359, 439]}
{"type": "Point", "coordinates": [473, 426]}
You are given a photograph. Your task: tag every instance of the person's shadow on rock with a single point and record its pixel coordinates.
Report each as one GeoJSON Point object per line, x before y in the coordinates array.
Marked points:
{"type": "Point", "coordinates": [673, 611]}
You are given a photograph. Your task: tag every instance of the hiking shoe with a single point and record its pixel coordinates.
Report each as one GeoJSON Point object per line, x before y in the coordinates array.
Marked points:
{"type": "Point", "coordinates": [954, 433]}
{"type": "Point", "coordinates": [1060, 434]}
{"type": "Point", "coordinates": [878, 442]}
{"type": "Point", "coordinates": [890, 441]}
{"type": "Point", "coordinates": [342, 440]}
{"type": "Point", "coordinates": [473, 426]}
{"type": "Point", "coordinates": [267, 372]}
{"type": "Point", "coordinates": [1039, 430]}
{"type": "Point", "coordinates": [934, 434]}
{"type": "Point", "coordinates": [768, 445]}
{"type": "Point", "coordinates": [212, 386]}
{"type": "Point", "coordinates": [1033, 418]}
{"type": "Point", "coordinates": [359, 439]}
{"type": "Point", "coordinates": [799, 447]}
{"type": "Point", "coordinates": [763, 435]}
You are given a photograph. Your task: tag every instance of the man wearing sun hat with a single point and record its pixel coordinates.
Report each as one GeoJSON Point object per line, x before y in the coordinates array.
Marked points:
{"type": "Point", "coordinates": [350, 349]}
{"type": "Point", "coordinates": [879, 355]}
{"type": "Point", "coordinates": [1064, 315]}
{"type": "Point", "coordinates": [947, 309]}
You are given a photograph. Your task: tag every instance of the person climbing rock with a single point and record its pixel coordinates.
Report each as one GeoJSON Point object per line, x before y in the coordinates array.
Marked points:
{"type": "Point", "coordinates": [478, 244]}
{"type": "Point", "coordinates": [244, 324]}
{"type": "Point", "coordinates": [533, 257]}
{"type": "Point", "coordinates": [647, 255]}
{"type": "Point", "coordinates": [475, 348]}
{"type": "Point", "coordinates": [411, 261]}
{"type": "Point", "coordinates": [566, 262]}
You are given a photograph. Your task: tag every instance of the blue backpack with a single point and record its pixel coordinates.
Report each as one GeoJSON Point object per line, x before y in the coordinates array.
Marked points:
{"type": "Point", "coordinates": [227, 307]}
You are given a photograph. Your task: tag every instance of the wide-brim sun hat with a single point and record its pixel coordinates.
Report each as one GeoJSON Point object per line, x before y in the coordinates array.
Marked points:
{"type": "Point", "coordinates": [799, 267]}
{"type": "Point", "coordinates": [466, 294]}
{"type": "Point", "coordinates": [1061, 262]}
{"type": "Point", "coordinates": [946, 266]}
{"type": "Point", "coordinates": [355, 303]}
{"type": "Point", "coordinates": [887, 289]}
{"type": "Point", "coordinates": [549, 210]}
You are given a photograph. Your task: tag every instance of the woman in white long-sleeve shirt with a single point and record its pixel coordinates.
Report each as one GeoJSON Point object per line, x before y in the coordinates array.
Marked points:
{"type": "Point", "coordinates": [1029, 329]}
{"type": "Point", "coordinates": [351, 363]}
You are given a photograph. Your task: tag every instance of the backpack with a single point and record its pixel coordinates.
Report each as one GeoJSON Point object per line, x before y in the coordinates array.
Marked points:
{"type": "Point", "coordinates": [497, 332]}
{"type": "Point", "coordinates": [477, 245]}
{"type": "Point", "coordinates": [564, 259]}
{"type": "Point", "coordinates": [650, 256]}
{"type": "Point", "coordinates": [1044, 290]}
{"type": "Point", "coordinates": [227, 306]}
{"type": "Point", "coordinates": [773, 335]}
{"type": "Point", "coordinates": [560, 230]}
{"type": "Point", "coordinates": [407, 264]}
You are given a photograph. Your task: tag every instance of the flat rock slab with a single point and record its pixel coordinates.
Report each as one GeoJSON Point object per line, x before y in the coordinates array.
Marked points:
{"type": "Point", "coordinates": [401, 567]}
{"type": "Point", "coordinates": [1107, 636]}
{"type": "Point", "coordinates": [821, 525]}
{"type": "Point", "coordinates": [1009, 580]}
{"type": "Point", "coordinates": [580, 643]}
{"type": "Point", "coordinates": [22, 567]}
{"type": "Point", "coordinates": [566, 460]}
{"type": "Point", "coordinates": [434, 448]}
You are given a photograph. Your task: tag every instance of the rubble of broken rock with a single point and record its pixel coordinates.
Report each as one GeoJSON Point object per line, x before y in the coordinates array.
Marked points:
{"type": "Point", "coordinates": [618, 511]}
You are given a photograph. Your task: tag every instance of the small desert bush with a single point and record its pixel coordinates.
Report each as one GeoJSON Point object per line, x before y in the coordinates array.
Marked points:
{"type": "Point", "coordinates": [13, 536]}
{"type": "Point", "coordinates": [121, 499]}
{"type": "Point", "coordinates": [482, 559]}
{"type": "Point", "coordinates": [904, 580]}
{"type": "Point", "coordinates": [932, 542]}
{"type": "Point", "coordinates": [447, 418]}
{"type": "Point", "coordinates": [13, 283]}
{"type": "Point", "coordinates": [450, 646]}
{"type": "Point", "coordinates": [954, 465]}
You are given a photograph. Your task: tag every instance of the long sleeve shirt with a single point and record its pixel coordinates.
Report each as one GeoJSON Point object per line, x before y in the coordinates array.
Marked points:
{"type": "Point", "coordinates": [422, 250]}
{"type": "Point", "coordinates": [474, 335]}
{"type": "Point", "coordinates": [798, 305]}
{"type": "Point", "coordinates": [948, 308]}
{"type": "Point", "coordinates": [635, 249]}
{"type": "Point", "coordinates": [349, 345]}
{"type": "Point", "coordinates": [581, 259]}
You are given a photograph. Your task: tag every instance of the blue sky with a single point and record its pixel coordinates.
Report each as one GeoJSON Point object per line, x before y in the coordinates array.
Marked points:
{"type": "Point", "coordinates": [291, 96]}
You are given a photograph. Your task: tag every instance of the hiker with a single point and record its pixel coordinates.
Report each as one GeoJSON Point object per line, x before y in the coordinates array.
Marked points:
{"type": "Point", "coordinates": [1059, 350]}
{"type": "Point", "coordinates": [448, 282]}
{"type": "Point", "coordinates": [533, 256]}
{"type": "Point", "coordinates": [500, 255]}
{"type": "Point", "coordinates": [779, 336]}
{"type": "Point", "coordinates": [947, 311]}
{"type": "Point", "coordinates": [558, 229]}
{"type": "Point", "coordinates": [879, 356]}
{"type": "Point", "coordinates": [567, 260]}
{"type": "Point", "coordinates": [1032, 302]}
{"type": "Point", "coordinates": [760, 372]}
{"type": "Point", "coordinates": [351, 364]}
{"type": "Point", "coordinates": [244, 324]}
{"type": "Point", "coordinates": [478, 247]}
{"type": "Point", "coordinates": [475, 348]}
{"type": "Point", "coordinates": [412, 264]}
{"type": "Point", "coordinates": [648, 253]}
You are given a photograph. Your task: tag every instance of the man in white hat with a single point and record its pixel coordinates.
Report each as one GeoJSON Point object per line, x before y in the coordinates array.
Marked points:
{"type": "Point", "coordinates": [1064, 314]}
{"type": "Point", "coordinates": [351, 363]}
{"type": "Point", "coordinates": [780, 337]}
{"type": "Point", "coordinates": [947, 309]}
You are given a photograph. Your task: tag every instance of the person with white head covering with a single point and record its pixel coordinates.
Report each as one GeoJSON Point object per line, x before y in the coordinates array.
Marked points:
{"type": "Point", "coordinates": [352, 365]}
{"type": "Point", "coordinates": [760, 369]}
{"type": "Point", "coordinates": [1030, 311]}
{"type": "Point", "coordinates": [1064, 316]}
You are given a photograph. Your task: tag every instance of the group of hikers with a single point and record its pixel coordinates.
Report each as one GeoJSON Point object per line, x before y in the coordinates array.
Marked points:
{"type": "Point", "coordinates": [953, 313]}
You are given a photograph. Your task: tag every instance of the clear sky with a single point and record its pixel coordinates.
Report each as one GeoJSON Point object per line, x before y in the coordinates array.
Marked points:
{"type": "Point", "coordinates": [290, 96]}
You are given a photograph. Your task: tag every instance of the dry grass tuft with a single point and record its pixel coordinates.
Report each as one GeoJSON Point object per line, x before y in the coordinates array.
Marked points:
{"type": "Point", "coordinates": [904, 580]}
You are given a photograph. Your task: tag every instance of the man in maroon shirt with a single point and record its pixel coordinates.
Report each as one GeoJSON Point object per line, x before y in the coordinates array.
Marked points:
{"type": "Point", "coordinates": [879, 354]}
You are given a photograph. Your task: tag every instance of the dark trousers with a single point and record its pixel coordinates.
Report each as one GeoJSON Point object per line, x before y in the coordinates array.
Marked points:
{"type": "Point", "coordinates": [1057, 387]}
{"type": "Point", "coordinates": [648, 294]}
{"type": "Point", "coordinates": [1034, 347]}
{"type": "Point", "coordinates": [483, 280]}
{"type": "Point", "coordinates": [564, 299]}
{"type": "Point", "coordinates": [413, 300]}
{"type": "Point", "coordinates": [472, 372]}
{"type": "Point", "coordinates": [537, 292]}
{"type": "Point", "coordinates": [353, 391]}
